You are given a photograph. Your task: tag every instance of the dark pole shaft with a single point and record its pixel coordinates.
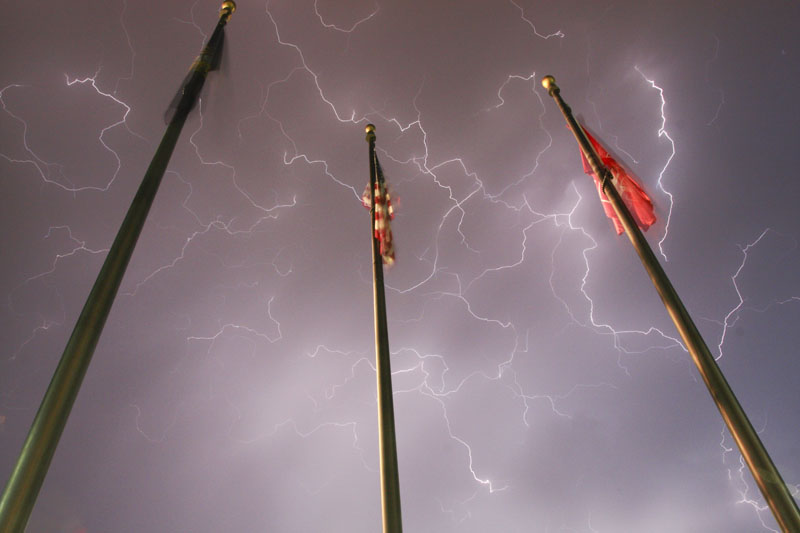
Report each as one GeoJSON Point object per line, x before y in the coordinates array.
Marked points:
{"type": "Point", "coordinates": [390, 478]}
{"type": "Point", "coordinates": [34, 460]}
{"type": "Point", "coordinates": [766, 475]}
{"type": "Point", "coordinates": [37, 452]}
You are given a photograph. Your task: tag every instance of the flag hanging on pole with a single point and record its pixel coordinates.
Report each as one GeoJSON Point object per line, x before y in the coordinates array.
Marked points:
{"type": "Point", "coordinates": [22, 488]}
{"type": "Point", "coordinates": [632, 193]}
{"type": "Point", "coordinates": [384, 213]}
{"type": "Point", "coordinates": [775, 491]}
{"type": "Point", "coordinates": [210, 59]}
{"type": "Point", "coordinates": [382, 252]}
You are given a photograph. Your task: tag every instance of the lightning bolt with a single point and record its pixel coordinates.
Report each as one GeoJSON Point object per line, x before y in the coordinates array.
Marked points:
{"type": "Point", "coordinates": [662, 132]}
{"type": "Point", "coordinates": [544, 241]}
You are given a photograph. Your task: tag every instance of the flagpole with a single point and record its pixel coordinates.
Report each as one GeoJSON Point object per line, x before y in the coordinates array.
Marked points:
{"type": "Point", "coordinates": [766, 475]}
{"type": "Point", "coordinates": [390, 478]}
{"type": "Point", "coordinates": [37, 452]}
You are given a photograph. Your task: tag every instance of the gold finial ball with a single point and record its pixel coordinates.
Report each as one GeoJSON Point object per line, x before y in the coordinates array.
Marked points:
{"type": "Point", "coordinates": [370, 128]}
{"type": "Point", "coordinates": [228, 5]}
{"type": "Point", "coordinates": [548, 81]}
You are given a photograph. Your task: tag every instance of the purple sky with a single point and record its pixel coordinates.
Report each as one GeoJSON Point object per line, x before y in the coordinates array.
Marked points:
{"type": "Point", "coordinates": [539, 385]}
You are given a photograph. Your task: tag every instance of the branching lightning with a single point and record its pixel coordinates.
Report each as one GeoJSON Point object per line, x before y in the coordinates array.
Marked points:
{"type": "Point", "coordinates": [440, 378]}
{"type": "Point", "coordinates": [557, 33]}
{"type": "Point", "coordinates": [662, 132]}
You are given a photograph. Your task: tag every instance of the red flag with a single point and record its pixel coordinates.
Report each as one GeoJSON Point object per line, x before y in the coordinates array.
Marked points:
{"type": "Point", "coordinates": [384, 213]}
{"type": "Point", "coordinates": [631, 192]}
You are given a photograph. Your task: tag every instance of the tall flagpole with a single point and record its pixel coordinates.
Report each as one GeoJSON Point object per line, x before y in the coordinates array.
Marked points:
{"type": "Point", "coordinates": [29, 472]}
{"type": "Point", "coordinates": [769, 480]}
{"type": "Point", "coordinates": [390, 478]}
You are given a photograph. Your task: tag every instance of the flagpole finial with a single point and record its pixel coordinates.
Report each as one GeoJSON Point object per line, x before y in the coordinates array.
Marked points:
{"type": "Point", "coordinates": [549, 83]}
{"type": "Point", "coordinates": [227, 9]}
{"type": "Point", "coordinates": [370, 129]}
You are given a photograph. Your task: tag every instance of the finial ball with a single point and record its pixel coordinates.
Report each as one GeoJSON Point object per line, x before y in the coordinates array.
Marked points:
{"type": "Point", "coordinates": [228, 5]}
{"type": "Point", "coordinates": [370, 128]}
{"type": "Point", "coordinates": [548, 81]}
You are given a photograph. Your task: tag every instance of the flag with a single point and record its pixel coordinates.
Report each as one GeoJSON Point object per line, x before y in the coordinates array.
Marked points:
{"type": "Point", "coordinates": [384, 213]}
{"type": "Point", "coordinates": [639, 204]}
{"type": "Point", "coordinates": [28, 474]}
{"type": "Point", "coordinates": [210, 58]}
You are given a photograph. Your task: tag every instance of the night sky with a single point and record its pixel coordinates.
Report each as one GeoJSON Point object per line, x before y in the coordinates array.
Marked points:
{"type": "Point", "coordinates": [539, 383]}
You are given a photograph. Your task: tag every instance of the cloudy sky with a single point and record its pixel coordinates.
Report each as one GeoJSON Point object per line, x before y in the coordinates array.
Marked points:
{"type": "Point", "coordinates": [539, 385]}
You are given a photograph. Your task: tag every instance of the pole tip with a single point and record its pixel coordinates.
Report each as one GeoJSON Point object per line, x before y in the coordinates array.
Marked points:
{"type": "Point", "coordinates": [370, 128]}
{"type": "Point", "coordinates": [227, 8]}
{"type": "Point", "coordinates": [548, 82]}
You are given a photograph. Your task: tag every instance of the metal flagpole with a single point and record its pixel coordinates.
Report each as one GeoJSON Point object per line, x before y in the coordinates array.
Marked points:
{"type": "Point", "coordinates": [769, 480]}
{"type": "Point", "coordinates": [29, 472]}
{"type": "Point", "coordinates": [390, 479]}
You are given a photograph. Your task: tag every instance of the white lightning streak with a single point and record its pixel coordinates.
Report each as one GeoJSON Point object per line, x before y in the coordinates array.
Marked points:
{"type": "Point", "coordinates": [343, 30]}
{"type": "Point", "coordinates": [662, 132]}
{"type": "Point", "coordinates": [557, 33]}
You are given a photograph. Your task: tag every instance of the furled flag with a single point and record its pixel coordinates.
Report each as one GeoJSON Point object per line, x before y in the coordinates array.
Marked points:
{"type": "Point", "coordinates": [210, 58]}
{"type": "Point", "coordinates": [631, 192]}
{"type": "Point", "coordinates": [384, 213]}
